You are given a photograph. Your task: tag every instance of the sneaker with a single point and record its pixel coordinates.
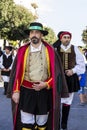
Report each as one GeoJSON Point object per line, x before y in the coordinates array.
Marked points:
{"type": "Point", "coordinates": [85, 102]}
{"type": "Point", "coordinates": [85, 87]}
{"type": "Point", "coordinates": [82, 104]}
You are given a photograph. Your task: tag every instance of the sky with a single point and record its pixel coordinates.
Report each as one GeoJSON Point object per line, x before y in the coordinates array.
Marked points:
{"type": "Point", "coordinates": [62, 15]}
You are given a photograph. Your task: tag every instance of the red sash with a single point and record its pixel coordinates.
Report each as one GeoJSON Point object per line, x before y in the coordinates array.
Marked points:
{"type": "Point", "coordinates": [28, 84]}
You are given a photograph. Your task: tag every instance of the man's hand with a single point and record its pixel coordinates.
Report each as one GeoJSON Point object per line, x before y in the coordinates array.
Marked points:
{"type": "Point", "coordinates": [15, 97]}
{"type": "Point", "coordinates": [69, 72]}
{"type": "Point", "coordinates": [6, 69]}
{"type": "Point", "coordinates": [40, 85]}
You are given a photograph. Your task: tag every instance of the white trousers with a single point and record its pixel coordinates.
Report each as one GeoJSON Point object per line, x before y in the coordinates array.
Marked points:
{"type": "Point", "coordinates": [68, 100]}
{"type": "Point", "coordinates": [29, 118]}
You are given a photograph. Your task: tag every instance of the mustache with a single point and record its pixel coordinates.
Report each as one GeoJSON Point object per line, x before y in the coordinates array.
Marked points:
{"type": "Point", "coordinates": [34, 38]}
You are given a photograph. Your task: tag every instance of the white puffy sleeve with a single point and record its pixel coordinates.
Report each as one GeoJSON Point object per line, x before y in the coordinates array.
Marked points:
{"type": "Point", "coordinates": [80, 63]}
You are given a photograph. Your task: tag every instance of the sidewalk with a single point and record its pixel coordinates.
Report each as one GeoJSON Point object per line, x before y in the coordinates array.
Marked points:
{"type": "Point", "coordinates": [77, 118]}
{"type": "Point", "coordinates": [78, 115]}
{"type": "Point", "coordinates": [5, 112]}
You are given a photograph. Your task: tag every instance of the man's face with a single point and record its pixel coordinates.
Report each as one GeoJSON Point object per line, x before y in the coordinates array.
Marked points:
{"type": "Point", "coordinates": [65, 39]}
{"type": "Point", "coordinates": [35, 36]}
{"type": "Point", "coordinates": [7, 51]}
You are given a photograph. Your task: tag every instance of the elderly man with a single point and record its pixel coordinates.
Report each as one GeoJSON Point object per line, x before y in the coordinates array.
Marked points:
{"type": "Point", "coordinates": [36, 83]}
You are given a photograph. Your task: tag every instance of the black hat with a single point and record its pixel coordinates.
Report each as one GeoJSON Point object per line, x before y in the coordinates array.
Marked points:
{"type": "Point", "coordinates": [36, 26]}
{"type": "Point", "coordinates": [58, 42]}
{"type": "Point", "coordinates": [8, 48]}
{"type": "Point", "coordinates": [58, 35]}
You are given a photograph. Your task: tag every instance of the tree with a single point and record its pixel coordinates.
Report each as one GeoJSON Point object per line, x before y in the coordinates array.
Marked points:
{"type": "Point", "coordinates": [13, 20]}
{"type": "Point", "coordinates": [23, 17]}
{"type": "Point", "coordinates": [51, 37]}
{"type": "Point", "coordinates": [6, 13]}
{"type": "Point", "coordinates": [84, 36]}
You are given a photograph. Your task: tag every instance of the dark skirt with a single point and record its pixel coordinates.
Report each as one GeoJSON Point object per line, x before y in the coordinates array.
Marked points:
{"type": "Point", "coordinates": [35, 102]}
{"type": "Point", "coordinates": [5, 73]}
{"type": "Point", "coordinates": [73, 83]}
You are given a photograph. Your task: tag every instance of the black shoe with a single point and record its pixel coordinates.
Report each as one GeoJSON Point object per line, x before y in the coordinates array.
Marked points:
{"type": "Point", "coordinates": [82, 103]}
{"type": "Point", "coordinates": [63, 129]}
{"type": "Point", "coordinates": [64, 126]}
{"type": "Point", "coordinates": [4, 93]}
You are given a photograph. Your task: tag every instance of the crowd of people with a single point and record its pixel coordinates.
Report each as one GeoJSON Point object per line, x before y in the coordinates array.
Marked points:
{"type": "Point", "coordinates": [41, 78]}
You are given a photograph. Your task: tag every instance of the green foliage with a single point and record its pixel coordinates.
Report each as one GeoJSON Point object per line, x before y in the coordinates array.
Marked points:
{"type": "Point", "coordinates": [23, 16]}
{"type": "Point", "coordinates": [6, 10]}
{"type": "Point", "coordinates": [13, 43]}
{"type": "Point", "coordinates": [84, 36]}
{"type": "Point", "coordinates": [51, 37]}
{"type": "Point", "coordinates": [13, 20]}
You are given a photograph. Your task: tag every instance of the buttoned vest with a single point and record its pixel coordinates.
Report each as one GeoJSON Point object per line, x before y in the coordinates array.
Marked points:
{"type": "Point", "coordinates": [68, 57]}
{"type": "Point", "coordinates": [36, 66]}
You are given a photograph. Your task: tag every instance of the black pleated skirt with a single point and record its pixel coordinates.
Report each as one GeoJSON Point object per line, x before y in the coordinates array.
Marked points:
{"type": "Point", "coordinates": [73, 83]}
{"type": "Point", "coordinates": [35, 102]}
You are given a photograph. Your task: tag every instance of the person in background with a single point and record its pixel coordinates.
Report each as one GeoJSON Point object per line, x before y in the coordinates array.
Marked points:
{"type": "Point", "coordinates": [35, 85]}
{"type": "Point", "coordinates": [6, 65]}
{"type": "Point", "coordinates": [81, 92]}
{"type": "Point", "coordinates": [1, 53]}
{"type": "Point", "coordinates": [73, 64]}
{"type": "Point", "coordinates": [85, 53]}
{"type": "Point", "coordinates": [82, 80]}
{"type": "Point", "coordinates": [14, 51]}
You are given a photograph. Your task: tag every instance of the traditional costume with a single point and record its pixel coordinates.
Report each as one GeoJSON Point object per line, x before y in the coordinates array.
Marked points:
{"type": "Point", "coordinates": [73, 60]}
{"type": "Point", "coordinates": [6, 63]}
{"type": "Point", "coordinates": [27, 69]}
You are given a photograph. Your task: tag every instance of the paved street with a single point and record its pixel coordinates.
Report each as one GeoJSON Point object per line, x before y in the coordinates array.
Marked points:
{"type": "Point", "coordinates": [77, 118]}
{"type": "Point", "coordinates": [5, 112]}
{"type": "Point", "coordinates": [78, 115]}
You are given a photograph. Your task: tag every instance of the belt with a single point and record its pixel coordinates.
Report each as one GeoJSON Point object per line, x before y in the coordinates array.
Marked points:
{"type": "Point", "coordinates": [28, 84]}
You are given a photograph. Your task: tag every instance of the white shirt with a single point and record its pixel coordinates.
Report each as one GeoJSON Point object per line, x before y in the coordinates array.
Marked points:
{"type": "Point", "coordinates": [33, 49]}
{"type": "Point", "coordinates": [80, 64]}
{"type": "Point", "coordinates": [1, 61]}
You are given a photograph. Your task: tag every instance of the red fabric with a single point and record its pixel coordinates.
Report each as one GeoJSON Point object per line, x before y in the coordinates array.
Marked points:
{"type": "Point", "coordinates": [19, 69]}
{"type": "Point", "coordinates": [28, 84]}
{"type": "Point", "coordinates": [65, 33]}
{"type": "Point", "coordinates": [65, 104]}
